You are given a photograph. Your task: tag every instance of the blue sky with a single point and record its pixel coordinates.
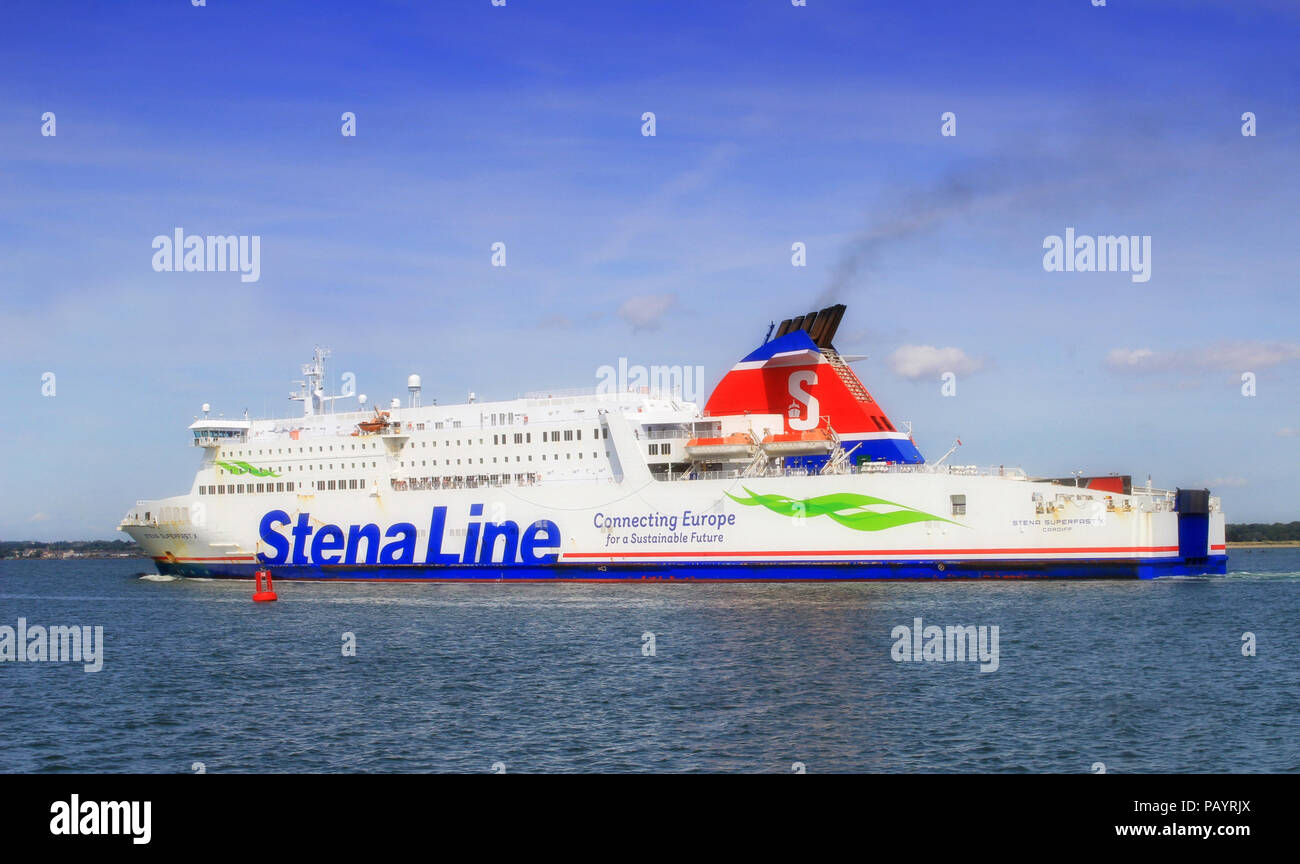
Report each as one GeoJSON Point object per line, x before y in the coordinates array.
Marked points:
{"type": "Point", "coordinates": [775, 124]}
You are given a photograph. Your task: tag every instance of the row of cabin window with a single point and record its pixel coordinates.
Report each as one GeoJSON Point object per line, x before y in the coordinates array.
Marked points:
{"type": "Point", "coordinates": [519, 438]}
{"type": "Point", "coordinates": [594, 455]}
{"type": "Point", "coordinates": [471, 481]}
{"type": "Point", "coordinates": [573, 435]}
{"type": "Point", "coordinates": [280, 451]}
{"type": "Point", "coordinates": [434, 462]}
{"type": "Point", "coordinates": [243, 488]}
{"type": "Point", "coordinates": [454, 424]}
{"type": "Point", "coordinates": [308, 467]}
{"type": "Point", "coordinates": [660, 449]}
{"type": "Point", "coordinates": [254, 488]}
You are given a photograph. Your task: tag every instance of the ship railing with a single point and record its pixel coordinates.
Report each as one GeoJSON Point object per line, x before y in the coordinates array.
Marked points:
{"type": "Point", "coordinates": [133, 522]}
{"type": "Point", "coordinates": [722, 474]}
{"type": "Point", "coordinates": [1012, 472]}
{"type": "Point", "coordinates": [573, 395]}
{"type": "Point", "coordinates": [671, 434]}
{"type": "Point", "coordinates": [1006, 471]}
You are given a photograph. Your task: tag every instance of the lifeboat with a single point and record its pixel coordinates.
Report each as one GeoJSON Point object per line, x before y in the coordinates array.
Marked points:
{"type": "Point", "coordinates": [375, 424]}
{"type": "Point", "coordinates": [729, 446]}
{"type": "Point", "coordinates": [798, 443]}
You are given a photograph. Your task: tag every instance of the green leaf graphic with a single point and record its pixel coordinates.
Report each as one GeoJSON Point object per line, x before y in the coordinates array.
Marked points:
{"type": "Point", "coordinates": [245, 468]}
{"type": "Point", "coordinates": [857, 517]}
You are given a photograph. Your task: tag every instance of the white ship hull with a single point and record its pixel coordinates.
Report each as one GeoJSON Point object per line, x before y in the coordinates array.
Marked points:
{"type": "Point", "coordinates": [791, 471]}
{"type": "Point", "coordinates": [692, 529]}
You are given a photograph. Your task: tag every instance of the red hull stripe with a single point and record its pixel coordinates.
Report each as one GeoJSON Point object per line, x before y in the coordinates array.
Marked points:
{"type": "Point", "coordinates": [219, 558]}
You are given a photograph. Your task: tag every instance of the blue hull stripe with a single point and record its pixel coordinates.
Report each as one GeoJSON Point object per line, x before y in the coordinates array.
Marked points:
{"type": "Point", "coordinates": [794, 571]}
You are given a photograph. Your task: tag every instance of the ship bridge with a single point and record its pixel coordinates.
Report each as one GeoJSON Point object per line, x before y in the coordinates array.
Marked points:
{"type": "Point", "coordinates": [216, 433]}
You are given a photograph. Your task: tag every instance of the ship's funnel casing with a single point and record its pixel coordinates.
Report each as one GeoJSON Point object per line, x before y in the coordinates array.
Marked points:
{"type": "Point", "coordinates": [810, 388]}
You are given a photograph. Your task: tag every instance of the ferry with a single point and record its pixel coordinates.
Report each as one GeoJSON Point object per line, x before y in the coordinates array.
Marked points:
{"type": "Point", "coordinates": [790, 471]}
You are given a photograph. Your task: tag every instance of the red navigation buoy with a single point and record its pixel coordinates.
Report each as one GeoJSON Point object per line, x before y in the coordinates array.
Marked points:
{"type": "Point", "coordinates": [263, 594]}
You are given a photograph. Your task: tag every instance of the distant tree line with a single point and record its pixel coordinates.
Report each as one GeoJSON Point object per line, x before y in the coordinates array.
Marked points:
{"type": "Point", "coordinates": [16, 548]}
{"type": "Point", "coordinates": [1255, 532]}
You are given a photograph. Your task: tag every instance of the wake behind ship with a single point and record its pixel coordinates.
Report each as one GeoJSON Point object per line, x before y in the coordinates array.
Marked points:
{"type": "Point", "coordinates": [791, 471]}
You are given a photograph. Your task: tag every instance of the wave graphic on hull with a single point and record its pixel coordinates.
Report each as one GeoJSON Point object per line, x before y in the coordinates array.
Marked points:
{"type": "Point", "coordinates": [848, 509]}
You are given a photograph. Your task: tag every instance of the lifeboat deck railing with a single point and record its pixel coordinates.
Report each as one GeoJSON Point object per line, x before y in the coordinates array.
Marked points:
{"type": "Point", "coordinates": [1009, 472]}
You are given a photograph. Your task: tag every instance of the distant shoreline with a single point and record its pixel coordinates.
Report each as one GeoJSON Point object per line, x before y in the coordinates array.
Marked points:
{"type": "Point", "coordinates": [81, 556]}
{"type": "Point", "coordinates": [35, 550]}
{"type": "Point", "coordinates": [1262, 544]}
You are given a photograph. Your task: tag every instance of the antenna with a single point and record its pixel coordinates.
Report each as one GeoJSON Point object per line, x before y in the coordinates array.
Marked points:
{"type": "Point", "coordinates": [310, 391]}
{"type": "Point", "coordinates": [951, 450]}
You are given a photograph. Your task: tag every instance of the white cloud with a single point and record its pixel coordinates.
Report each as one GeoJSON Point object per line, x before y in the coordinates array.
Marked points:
{"type": "Point", "coordinates": [1288, 432]}
{"type": "Point", "coordinates": [1242, 356]}
{"type": "Point", "coordinates": [1127, 358]}
{"type": "Point", "coordinates": [39, 517]}
{"type": "Point", "coordinates": [917, 362]}
{"type": "Point", "coordinates": [646, 311]}
{"type": "Point", "coordinates": [1231, 482]}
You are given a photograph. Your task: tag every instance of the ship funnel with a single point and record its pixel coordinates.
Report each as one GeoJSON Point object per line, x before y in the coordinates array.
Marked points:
{"type": "Point", "coordinates": [802, 386]}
